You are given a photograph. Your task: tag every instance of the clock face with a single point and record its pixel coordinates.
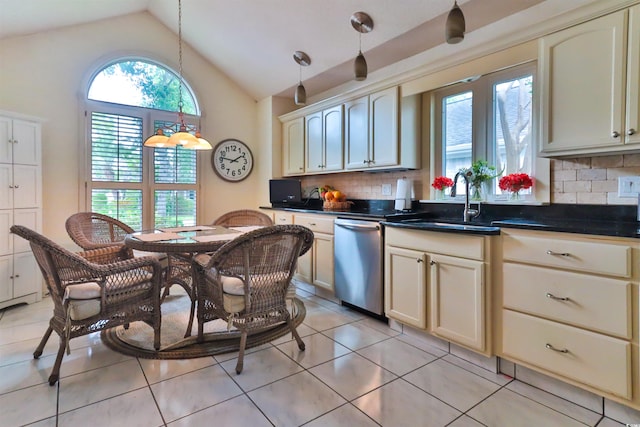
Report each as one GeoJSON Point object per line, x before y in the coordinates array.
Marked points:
{"type": "Point", "coordinates": [232, 160]}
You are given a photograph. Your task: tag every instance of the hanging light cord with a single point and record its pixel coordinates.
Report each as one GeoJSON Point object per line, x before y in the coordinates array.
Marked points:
{"type": "Point", "coordinates": [360, 39]}
{"type": "Point", "coordinates": [180, 104]}
{"type": "Point", "coordinates": [300, 67]}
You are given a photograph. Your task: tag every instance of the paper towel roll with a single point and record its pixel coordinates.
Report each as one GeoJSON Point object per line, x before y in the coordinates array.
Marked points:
{"type": "Point", "coordinates": [403, 194]}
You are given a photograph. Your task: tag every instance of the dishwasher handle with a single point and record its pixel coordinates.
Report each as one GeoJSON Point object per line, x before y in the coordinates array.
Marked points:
{"type": "Point", "coordinates": [358, 226]}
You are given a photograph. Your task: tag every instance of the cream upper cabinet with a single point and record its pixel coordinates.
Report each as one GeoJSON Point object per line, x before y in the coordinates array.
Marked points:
{"type": "Point", "coordinates": [293, 147]}
{"type": "Point", "coordinates": [586, 107]}
{"type": "Point", "coordinates": [371, 130]}
{"type": "Point", "coordinates": [324, 141]}
{"type": "Point", "coordinates": [438, 281]}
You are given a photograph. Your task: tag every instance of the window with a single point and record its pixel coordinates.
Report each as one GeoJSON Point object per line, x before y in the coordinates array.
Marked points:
{"type": "Point", "coordinates": [489, 118]}
{"type": "Point", "coordinates": [143, 187]}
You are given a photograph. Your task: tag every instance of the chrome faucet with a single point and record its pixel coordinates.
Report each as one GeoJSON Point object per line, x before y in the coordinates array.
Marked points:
{"type": "Point", "coordinates": [468, 213]}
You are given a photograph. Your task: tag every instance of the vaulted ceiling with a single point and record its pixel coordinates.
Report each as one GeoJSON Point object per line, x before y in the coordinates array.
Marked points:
{"type": "Point", "coordinates": [253, 41]}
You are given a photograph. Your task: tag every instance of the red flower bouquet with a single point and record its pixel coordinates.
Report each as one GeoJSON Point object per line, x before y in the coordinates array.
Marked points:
{"type": "Point", "coordinates": [515, 182]}
{"type": "Point", "coordinates": [442, 182]}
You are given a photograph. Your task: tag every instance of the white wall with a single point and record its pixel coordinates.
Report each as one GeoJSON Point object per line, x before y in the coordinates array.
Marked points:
{"type": "Point", "coordinates": [46, 74]}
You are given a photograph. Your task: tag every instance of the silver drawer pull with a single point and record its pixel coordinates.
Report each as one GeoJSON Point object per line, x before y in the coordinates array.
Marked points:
{"type": "Point", "coordinates": [432, 263]}
{"type": "Point", "coordinates": [558, 253]}
{"type": "Point", "coordinates": [557, 298]}
{"type": "Point", "coordinates": [550, 347]}
{"type": "Point", "coordinates": [419, 260]}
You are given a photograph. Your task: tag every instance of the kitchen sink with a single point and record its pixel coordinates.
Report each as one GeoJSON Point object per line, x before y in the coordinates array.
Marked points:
{"type": "Point", "coordinates": [449, 226]}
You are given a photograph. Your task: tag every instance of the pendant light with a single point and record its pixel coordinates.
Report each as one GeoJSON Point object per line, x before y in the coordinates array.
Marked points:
{"type": "Point", "coordinates": [183, 136]}
{"type": "Point", "coordinates": [362, 23]}
{"type": "Point", "coordinates": [455, 26]}
{"type": "Point", "coordinates": [303, 60]}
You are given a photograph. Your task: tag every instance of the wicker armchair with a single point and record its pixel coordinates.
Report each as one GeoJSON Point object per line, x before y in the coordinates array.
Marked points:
{"type": "Point", "coordinates": [94, 290]}
{"type": "Point", "coordinates": [91, 230]}
{"type": "Point", "coordinates": [245, 282]}
{"type": "Point", "coordinates": [243, 217]}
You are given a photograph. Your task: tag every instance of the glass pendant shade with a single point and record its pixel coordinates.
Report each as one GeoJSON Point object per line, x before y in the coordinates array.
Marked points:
{"type": "Point", "coordinates": [201, 144]}
{"type": "Point", "coordinates": [300, 96]}
{"type": "Point", "coordinates": [158, 140]}
{"type": "Point", "coordinates": [360, 67]}
{"type": "Point", "coordinates": [455, 26]}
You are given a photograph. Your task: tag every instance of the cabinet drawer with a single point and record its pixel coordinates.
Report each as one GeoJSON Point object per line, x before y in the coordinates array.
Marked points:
{"type": "Point", "coordinates": [315, 224]}
{"type": "Point", "coordinates": [580, 255]}
{"type": "Point", "coordinates": [280, 218]}
{"type": "Point", "coordinates": [458, 245]}
{"type": "Point", "coordinates": [593, 359]}
{"type": "Point", "coordinates": [594, 302]}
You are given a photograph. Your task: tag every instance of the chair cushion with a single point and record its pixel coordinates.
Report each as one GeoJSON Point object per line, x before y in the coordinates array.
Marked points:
{"type": "Point", "coordinates": [83, 299]}
{"type": "Point", "coordinates": [232, 285]}
{"type": "Point", "coordinates": [161, 257]}
{"type": "Point", "coordinates": [233, 303]}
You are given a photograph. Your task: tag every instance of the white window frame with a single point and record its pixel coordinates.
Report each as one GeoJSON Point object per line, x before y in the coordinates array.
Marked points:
{"type": "Point", "coordinates": [483, 129]}
{"type": "Point", "coordinates": [148, 185]}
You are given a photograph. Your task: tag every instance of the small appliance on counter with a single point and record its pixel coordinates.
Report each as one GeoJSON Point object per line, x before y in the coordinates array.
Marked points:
{"type": "Point", "coordinates": [285, 193]}
{"type": "Point", "coordinates": [404, 194]}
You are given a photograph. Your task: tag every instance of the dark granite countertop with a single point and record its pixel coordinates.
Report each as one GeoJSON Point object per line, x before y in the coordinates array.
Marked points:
{"type": "Point", "coordinates": [603, 220]}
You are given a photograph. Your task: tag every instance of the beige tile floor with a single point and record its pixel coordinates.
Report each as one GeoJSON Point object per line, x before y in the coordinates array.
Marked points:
{"type": "Point", "coordinates": [355, 372]}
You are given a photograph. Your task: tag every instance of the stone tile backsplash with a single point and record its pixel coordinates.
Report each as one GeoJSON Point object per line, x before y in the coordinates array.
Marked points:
{"type": "Point", "coordinates": [584, 180]}
{"type": "Point", "coordinates": [592, 180]}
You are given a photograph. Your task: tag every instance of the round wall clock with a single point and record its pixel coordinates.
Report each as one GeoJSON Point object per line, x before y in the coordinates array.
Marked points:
{"type": "Point", "coordinates": [232, 160]}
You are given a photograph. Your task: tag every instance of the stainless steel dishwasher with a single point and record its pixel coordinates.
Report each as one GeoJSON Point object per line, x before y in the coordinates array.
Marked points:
{"type": "Point", "coordinates": [358, 264]}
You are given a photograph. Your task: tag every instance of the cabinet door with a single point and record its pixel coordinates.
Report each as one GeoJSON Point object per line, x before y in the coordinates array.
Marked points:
{"type": "Point", "coordinates": [383, 128]}
{"type": "Point", "coordinates": [293, 147]}
{"type": "Point", "coordinates": [582, 75]}
{"type": "Point", "coordinates": [304, 267]}
{"type": "Point", "coordinates": [6, 144]}
{"type": "Point", "coordinates": [30, 218]}
{"type": "Point", "coordinates": [27, 278]}
{"type": "Point", "coordinates": [333, 138]}
{"type": "Point", "coordinates": [323, 261]}
{"type": "Point", "coordinates": [6, 282]}
{"type": "Point", "coordinates": [356, 131]}
{"type": "Point", "coordinates": [26, 146]}
{"type": "Point", "coordinates": [405, 286]}
{"type": "Point", "coordinates": [26, 186]}
{"type": "Point", "coordinates": [6, 186]}
{"type": "Point", "coordinates": [633, 78]}
{"type": "Point", "coordinates": [6, 238]}
{"type": "Point", "coordinates": [457, 304]}
{"type": "Point", "coordinates": [313, 143]}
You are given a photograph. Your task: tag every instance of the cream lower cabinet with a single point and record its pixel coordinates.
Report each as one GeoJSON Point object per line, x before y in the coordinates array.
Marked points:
{"type": "Point", "coordinates": [567, 309]}
{"type": "Point", "coordinates": [316, 266]}
{"type": "Point", "coordinates": [438, 281]}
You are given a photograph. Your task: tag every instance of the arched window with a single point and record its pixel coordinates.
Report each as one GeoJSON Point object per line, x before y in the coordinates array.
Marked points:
{"type": "Point", "coordinates": [146, 188]}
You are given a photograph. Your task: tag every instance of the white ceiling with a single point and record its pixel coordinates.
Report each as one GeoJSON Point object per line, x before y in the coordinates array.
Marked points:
{"type": "Point", "coordinates": [253, 41]}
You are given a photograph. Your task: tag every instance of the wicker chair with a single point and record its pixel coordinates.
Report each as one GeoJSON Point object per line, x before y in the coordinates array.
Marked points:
{"type": "Point", "coordinates": [245, 282]}
{"type": "Point", "coordinates": [94, 290]}
{"type": "Point", "coordinates": [243, 217]}
{"type": "Point", "coordinates": [91, 230]}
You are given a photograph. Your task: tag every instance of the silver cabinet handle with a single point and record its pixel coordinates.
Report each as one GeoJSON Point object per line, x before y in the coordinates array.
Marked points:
{"type": "Point", "coordinates": [418, 260]}
{"type": "Point", "coordinates": [365, 161]}
{"type": "Point", "coordinates": [16, 186]}
{"type": "Point", "coordinates": [313, 224]}
{"type": "Point", "coordinates": [320, 166]}
{"type": "Point", "coordinates": [615, 134]}
{"type": "Point", "coordinates": [559, 350]}
{"type": "Point", "coordinates": [432, 263]}
{"type": "Point", "coordinates": [553, 297]}
{"type": "Point", "coordinates": [631, 131]}
{"type": "Point", "coordinates": [550, 252]}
